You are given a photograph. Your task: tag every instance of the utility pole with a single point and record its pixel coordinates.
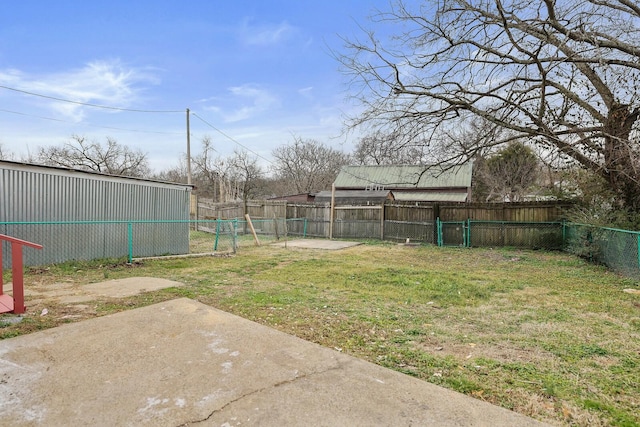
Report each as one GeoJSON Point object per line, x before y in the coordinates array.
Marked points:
{"type": "Point", "coordinates": [188, 150]}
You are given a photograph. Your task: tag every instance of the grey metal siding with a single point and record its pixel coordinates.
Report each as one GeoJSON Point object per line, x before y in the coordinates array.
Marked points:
{"type": "Point", "coordinates": [30, 193]}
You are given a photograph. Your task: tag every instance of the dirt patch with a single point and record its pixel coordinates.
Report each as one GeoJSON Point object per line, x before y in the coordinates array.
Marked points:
{"type": "Point", "coordinates": [503, 353]}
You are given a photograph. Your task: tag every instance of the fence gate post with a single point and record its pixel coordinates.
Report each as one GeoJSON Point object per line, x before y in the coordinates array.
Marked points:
{"type": "Point", "coordinates": [235, 235]}
{"type": "Point", "coordinates": [130, 241]}
{"type": "Point", "coordinates": [382, 222]}
{"type": "Point", "coordinates": [215, 245]}
{"type": "Point", "coordinates": [638, 238]}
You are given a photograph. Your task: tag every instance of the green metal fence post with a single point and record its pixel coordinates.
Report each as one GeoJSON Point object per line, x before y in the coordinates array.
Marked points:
{"type": "Point", "coordinates": [215, 245]}
{"type": "Point", "coordinates": [438, 231]}
{"type": "Point", "coordinates": [304, 231]}
{"type": "Point", "coordinates": [638, 238]}
{"type": "Point", "coordinates": [130, 241]}
{"type": "Point", "coordinates": [468, 245]}
{"type": "Point", "coordinates": [235, 235]}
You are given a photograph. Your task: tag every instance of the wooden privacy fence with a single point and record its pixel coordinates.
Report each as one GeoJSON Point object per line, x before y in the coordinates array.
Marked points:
{"type": "Point", "coordinates": [456, 224]}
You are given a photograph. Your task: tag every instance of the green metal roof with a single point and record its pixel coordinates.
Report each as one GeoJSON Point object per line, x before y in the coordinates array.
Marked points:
{"type": "Point", "coordinates": [414, 177]}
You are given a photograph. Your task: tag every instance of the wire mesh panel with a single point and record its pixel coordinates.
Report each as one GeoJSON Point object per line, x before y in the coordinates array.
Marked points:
{"type": "Point", "coordinates": [296, 227]}
{"type": "Point", "coordinates": [87, 240]}
{"type": "Point", "coordinates": [516, 234]}
{"type": "Point", "coordinates": [266, 231]}
{"type": "Point", "coordinates": [400, 231]}
{"type": "Point", "coordinates": [452, 233]}
{"type": "Point", "coordinates": [213, 236]}
{"type": "Point", "coordinates": [159, 238]}
{"type": "Point", "coordinates": [317, 228]}
{"type": "Point", "coordinates": [70, 241]}
{"type": "Point", "coordinates": [617, 249]}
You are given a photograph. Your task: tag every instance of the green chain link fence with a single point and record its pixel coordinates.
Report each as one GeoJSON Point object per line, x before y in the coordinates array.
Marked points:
{"type": "Point", "coordinates": [618, 249]}
{"type": "Point", "coordinates": [85, 240]}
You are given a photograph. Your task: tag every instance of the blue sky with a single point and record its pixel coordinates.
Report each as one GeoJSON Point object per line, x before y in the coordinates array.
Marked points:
{"type": "Point", "coordinates": [260, 71]}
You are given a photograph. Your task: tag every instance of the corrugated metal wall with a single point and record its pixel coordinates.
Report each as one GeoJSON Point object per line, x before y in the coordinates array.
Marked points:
{"type": "Point", "coordinates": [30, 193]}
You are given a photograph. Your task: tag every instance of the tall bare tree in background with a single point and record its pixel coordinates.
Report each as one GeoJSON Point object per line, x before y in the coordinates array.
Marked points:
{"type": "Point", "coordinates": [247, 175]}
{"type": "Point", "coordinates": [559, 73]}
{"type": "Point", "coordinates": [307, 165]}
{"type": "Point", "coordinates": [209, 173]}
{"type": "Point", "coordinates": [387, 148]}
{"type": "Point", "coordinates": [81, 153]}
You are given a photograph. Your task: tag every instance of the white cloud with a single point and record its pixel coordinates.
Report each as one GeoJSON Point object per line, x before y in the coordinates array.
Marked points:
{"type": "Point", "coordinates": [307, 92]}
{"type": "Point", "coordinates": [10, 76]}
{"type": "Point", "coordinates": [251, 99]}
{"type": "Point", "coordinates": [266, 34]}
{"type": "Point", "coordinates": [108, 83]}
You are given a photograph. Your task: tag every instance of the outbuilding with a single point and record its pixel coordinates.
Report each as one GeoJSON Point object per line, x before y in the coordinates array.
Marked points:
{"type": "Point", "coordinates": [438, 183]}
{"type": "Point", "coordinates": [77, 214]}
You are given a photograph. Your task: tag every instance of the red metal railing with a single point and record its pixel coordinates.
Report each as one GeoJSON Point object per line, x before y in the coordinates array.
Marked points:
{"type": "Point", "coordinates": [14, 304]}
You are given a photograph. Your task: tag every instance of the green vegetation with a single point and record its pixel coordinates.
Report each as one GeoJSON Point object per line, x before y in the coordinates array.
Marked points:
{"type": "Point", "coordinates": [544, 334]}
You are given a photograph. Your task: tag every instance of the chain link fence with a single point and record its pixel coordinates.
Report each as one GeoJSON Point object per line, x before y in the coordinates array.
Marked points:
{"type": "Point", "coordinates": [229, 235]}
{"type": "Point", "coordinates": [86, 240]}
{"type": "Point", "coordinates": [529, 235]}
{"type": "Point", "coordinates": [618, 249]}
{"type": "Point", "coordinates": [411, 231]}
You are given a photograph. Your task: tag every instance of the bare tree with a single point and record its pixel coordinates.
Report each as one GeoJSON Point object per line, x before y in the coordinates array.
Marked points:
{"type": "Point", "coordinates": [80, 153]}
{"type": "Point", "coordinates": [247, 175]}
{"type": "Point", "coordinates": [176, 173]}
{"type": "Point", "coordinates": [209, 173]}
{"type": "Point", "coordinates": [307, 165]}
{"type": "Point", "coordinates": [561, 74]}
{"type": "Point", "coordinates": [5, 153]}
{"type": "Point", "coordinates": [384, 148]}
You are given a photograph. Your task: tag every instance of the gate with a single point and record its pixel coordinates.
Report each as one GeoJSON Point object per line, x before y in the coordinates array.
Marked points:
{"type": "Point", "coordinates": [453, 233]}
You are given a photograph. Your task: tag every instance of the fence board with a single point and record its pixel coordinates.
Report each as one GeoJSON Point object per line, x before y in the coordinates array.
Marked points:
{"type": "Point", "coordinates": [398, 221]}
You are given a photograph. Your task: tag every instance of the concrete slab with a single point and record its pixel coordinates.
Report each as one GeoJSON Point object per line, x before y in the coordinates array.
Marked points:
{"type": "Point", "coordinates": [317, 244]}
{"type": "Point", "coordinates": [183, 363]}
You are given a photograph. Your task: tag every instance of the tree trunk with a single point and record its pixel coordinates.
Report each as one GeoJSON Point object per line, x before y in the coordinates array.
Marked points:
{"type": "Point", "coordinates": [620, 160]}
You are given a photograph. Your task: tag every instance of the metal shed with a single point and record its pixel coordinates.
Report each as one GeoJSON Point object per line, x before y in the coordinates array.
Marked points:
{"type": "Point", "coordinates": [84, 215]}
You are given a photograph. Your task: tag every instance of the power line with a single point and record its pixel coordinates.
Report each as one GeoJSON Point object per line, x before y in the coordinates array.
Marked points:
{"type": "Point", "coordinates": [31, 115]}
{"type": "Point", "coordinates": [89, 124]}
{"type": "Point", "coordinates": [267, 160]}
{"type": "Point", "coordinates": [230, 138]}
{"type": "Point", "coordinates": [87, 104]}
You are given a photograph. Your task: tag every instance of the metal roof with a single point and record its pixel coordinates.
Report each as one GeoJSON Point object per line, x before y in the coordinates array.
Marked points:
{"type": "Point", "coordinates": [418, 177]}
{"type": "Point", "coordinates": [87, 174]}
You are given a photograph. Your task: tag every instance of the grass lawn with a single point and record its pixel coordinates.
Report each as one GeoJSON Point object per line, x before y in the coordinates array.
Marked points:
{"type": "Point", "coordinates": [543, 334]}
